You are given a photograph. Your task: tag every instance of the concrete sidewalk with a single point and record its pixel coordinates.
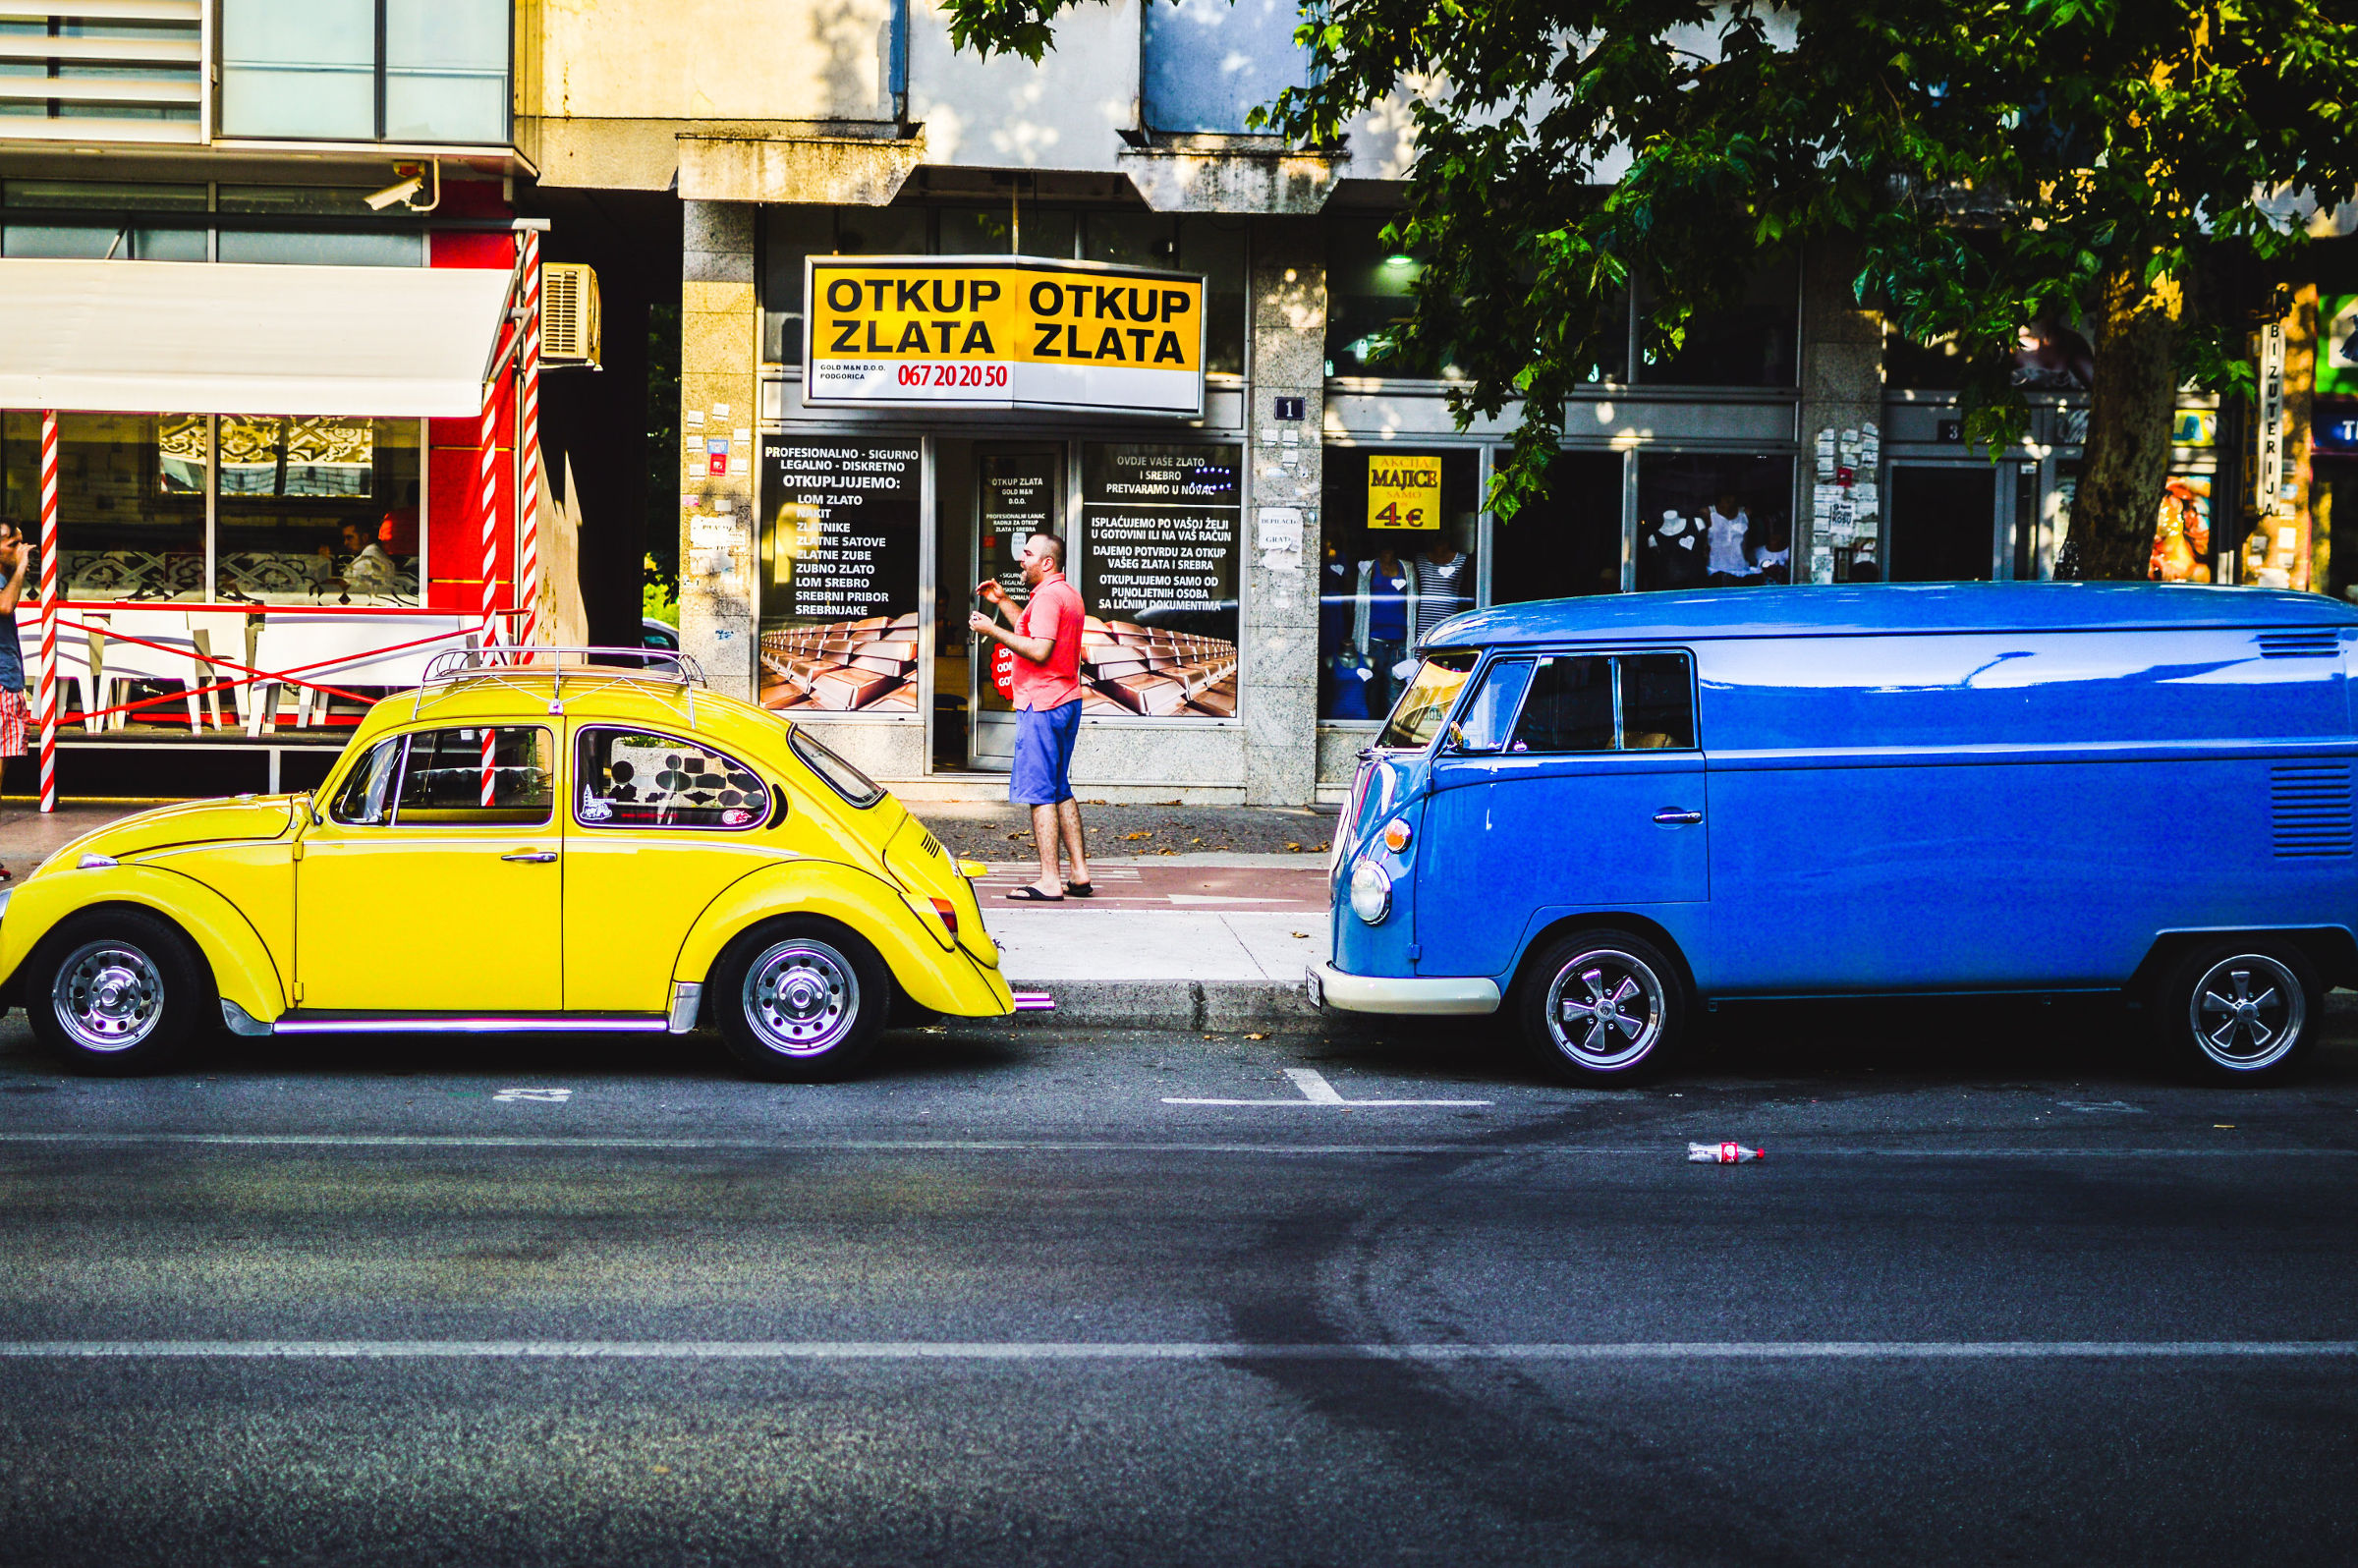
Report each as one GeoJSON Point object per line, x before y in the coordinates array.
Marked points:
{"type": "Point", "coordinates": [1170, 940]}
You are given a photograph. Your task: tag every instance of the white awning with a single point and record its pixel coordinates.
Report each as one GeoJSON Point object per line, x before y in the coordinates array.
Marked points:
{"type": "Point", "coordinates": [187, 337]}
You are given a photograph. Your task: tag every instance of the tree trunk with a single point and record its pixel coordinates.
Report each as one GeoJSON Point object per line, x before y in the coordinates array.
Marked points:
{"type": "Point", "coordinates": [2127, 469]}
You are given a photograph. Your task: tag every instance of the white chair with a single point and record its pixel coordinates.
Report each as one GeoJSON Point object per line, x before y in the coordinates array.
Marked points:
{"type": "Point", "coordinates": [73, 664]}
{"type": "Point", "coordinates": [164, 654]}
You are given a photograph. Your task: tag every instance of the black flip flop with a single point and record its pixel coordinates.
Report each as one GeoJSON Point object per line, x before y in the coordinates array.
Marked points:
{"type": "Point", "coordinates": [1028, 894]}
{"type": "Point", "coordinates": [1080, 889]}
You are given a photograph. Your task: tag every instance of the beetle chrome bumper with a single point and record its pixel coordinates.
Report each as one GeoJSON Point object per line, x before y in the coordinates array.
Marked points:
{"type": "Point", "coordinates": [1330, 986]}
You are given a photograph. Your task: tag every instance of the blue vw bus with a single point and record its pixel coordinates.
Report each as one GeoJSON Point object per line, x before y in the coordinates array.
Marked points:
{"type": "Point", "coordinates": [1601, 814]}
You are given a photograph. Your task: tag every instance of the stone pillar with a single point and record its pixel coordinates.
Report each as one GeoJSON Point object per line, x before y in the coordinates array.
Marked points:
{"type": "Point", "coordinates": [1842, 381]}
{"type": "Point", "coordinates": [720, 342]}
{"type": "Point", "coordinates": [1278, 692]}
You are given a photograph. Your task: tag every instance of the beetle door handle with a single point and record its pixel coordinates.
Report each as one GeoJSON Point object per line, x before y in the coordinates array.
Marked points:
{"type": "Point", "coordinates": [1678, 817]}
{"type": "Point", "coordinates": [532, 857]}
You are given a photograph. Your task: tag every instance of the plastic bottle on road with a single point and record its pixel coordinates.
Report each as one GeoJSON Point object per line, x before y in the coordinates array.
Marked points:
{"type": "Point", "coordinates": [1719, 1153]}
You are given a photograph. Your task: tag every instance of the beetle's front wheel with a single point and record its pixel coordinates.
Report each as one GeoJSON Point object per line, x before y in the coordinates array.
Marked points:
{"type": "Point", "coordinates": [118, 992]}
{"type": "Point", "coordinates": [801, 1000]}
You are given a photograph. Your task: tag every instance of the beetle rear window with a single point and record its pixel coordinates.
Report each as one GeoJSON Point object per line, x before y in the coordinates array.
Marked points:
{"type": "Point", "coordinates": [1416, 717]}
{"type": "Point", "coordinates": [633, 778]}
{"type": "Point", "coordinates": [843, 778]}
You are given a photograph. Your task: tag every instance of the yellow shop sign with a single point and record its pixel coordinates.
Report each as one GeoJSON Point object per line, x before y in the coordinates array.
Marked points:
{"type": "Point", "coordinates": [1001, 333]}
{"type": "Point", "coordinates": [1403, 493]}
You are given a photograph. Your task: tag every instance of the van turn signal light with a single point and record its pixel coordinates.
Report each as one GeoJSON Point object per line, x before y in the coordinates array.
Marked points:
{"type": "Point", "coordinates": [1395, 835]}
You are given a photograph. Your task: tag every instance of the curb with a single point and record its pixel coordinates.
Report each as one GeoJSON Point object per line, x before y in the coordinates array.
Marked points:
{"type": "Point", "coordinates": [1171, 1004]}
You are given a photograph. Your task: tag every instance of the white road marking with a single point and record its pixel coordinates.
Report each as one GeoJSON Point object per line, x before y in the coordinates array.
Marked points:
{"type": "Point", "coordinates": [2114, 1107]}
{"type": "Point", "coordinates": [1165, 1350]}
{"type": "Point", "coordinates": [551, 1143]}
{"type": "Point", "coordinates": [534, 1096]}
{"type": "Point", "coordinates": [1316, 1091]}
{"type": "Point", "coordinates": [1313, 1086]}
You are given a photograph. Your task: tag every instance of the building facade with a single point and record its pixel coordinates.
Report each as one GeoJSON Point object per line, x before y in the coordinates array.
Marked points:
{"type": "Point", "coordinates": [1262, 548]}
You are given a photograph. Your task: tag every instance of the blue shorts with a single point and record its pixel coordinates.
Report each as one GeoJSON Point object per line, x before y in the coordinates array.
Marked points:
{"type": "Point", "coordinates": [1043, 754]}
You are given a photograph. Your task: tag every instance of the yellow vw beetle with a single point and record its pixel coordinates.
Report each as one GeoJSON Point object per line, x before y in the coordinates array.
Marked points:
{"type": "Point", "coordinates": [584, 839]}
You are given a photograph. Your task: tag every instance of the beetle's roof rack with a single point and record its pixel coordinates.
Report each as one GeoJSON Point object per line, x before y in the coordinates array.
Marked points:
{"type": "Point", "coordinates": [501, 665]}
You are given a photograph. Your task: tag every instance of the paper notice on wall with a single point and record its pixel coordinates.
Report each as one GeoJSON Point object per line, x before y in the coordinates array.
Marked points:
{"type": "Point", "coordinates": [1825, 455]}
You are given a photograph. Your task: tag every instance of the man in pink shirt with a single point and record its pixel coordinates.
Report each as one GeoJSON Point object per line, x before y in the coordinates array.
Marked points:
{"type": "Point", "coordinates": [1046, 644]}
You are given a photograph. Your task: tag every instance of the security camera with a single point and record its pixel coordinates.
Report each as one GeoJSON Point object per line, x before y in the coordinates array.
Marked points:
{"type": "Point", "coordinates": [402, 193]}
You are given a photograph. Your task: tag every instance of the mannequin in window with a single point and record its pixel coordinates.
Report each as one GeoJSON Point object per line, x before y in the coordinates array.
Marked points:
{"type": "Point", "coordinates": [1731, 563]}
{"type": "Point", "coordinates": [1445, 585]}
{"type": "Point", "coordinates": [1772, 557]}
{"type": "Point", "coordinates": [1385, 602]}
{"type": "Point", "coordinates": [1672, 554]}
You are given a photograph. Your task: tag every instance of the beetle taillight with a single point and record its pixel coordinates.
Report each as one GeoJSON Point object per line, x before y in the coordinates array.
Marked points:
{"type": "Point", "coordinates": [948, 913]}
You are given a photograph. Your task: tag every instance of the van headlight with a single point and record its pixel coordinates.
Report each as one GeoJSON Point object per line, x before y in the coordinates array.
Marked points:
{"type": "Point", "coordinates": [1370, 893]}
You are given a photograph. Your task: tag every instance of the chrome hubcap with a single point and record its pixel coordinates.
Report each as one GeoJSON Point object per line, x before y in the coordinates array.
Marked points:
{"type": "Point", "coordinates": [802, 997]}
{"type": "Point", "coordinates": [109, 996]}
{"type": "Point", "coordinates": [1604, 1009]}
{"type": "Point", "coordinates": [2247, 1012]}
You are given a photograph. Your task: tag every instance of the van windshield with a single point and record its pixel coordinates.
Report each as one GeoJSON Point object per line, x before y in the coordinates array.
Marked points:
{"type": "Point", "coordinates": [1416, 717]}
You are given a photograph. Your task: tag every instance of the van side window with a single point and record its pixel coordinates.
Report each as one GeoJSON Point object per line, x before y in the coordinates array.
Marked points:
{"type": "Point", "coordinates": [1658, 703]}
{"type": "Point", "coordinates": [1573, 706]}
{"type": "Point", "coordinates": [1492, 708]}
{"type": "Point", "coordinates": [1570, 708]}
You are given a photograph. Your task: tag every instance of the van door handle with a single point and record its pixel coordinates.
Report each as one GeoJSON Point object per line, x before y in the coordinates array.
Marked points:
{"type": "Point", "coordinates": [532, 857]}
{"type": "Point", "coordinates": [1678, 817]}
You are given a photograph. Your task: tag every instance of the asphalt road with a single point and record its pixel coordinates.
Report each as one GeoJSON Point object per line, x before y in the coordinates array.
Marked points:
{"type": "Point", "coordinates": [1998, 1292]}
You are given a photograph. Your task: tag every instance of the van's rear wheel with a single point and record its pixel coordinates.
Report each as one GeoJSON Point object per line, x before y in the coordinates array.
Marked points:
{"type": "Point", "coordinates": [1604, 1006]}
{"type": "Point", "coordinates": [118, 992]}
{"type": "Point", "coordinates": [2242, 1011]}
{"type": "Point", "coordinates": [801, 999]}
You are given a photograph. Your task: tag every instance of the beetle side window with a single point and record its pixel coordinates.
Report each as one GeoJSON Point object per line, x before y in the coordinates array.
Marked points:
{"type": "Point", "coordinates": [366, 799]}
{"type": "Point", "coordinates": [1570, 708]}
{"type": "Point", "coordinates": [1658, 703]}
{"type": "Point", "coordinates": [452, 779]}
{"type": "Point", "coordinates": [843, 778]}
{"type": "Point", "coordinates": [1492, 707]}
{"type": "Point", "coordinates": [635, 778]}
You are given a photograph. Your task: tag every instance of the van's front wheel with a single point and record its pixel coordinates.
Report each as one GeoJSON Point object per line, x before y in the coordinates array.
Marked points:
{"type": "Point", "coordinates": [2242, 1011]}
{"type": "Point", "coordinates": [1605, 1007]}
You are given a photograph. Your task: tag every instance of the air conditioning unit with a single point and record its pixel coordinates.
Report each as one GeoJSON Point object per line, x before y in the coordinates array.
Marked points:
{"type": "Point", "coordinates": [568, 315]}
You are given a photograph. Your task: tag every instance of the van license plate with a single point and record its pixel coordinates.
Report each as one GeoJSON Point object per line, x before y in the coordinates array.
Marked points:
{"type": "Point", "coordinates": [1317, 991]}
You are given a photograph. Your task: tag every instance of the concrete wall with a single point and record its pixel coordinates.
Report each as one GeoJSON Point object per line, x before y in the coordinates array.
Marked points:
{"type": "Point", "coordinates": [1005, 112]}
{"type": "Point", "coordinates": [720, 345]}
{"type": "Point", "coordinates": [711, 60]}
{"type": "Point", "coordinates": [1278, 692]}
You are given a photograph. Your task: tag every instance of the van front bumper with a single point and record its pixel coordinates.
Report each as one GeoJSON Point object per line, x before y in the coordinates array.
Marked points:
{"type": "Point", "coordinates": [1330, 986]}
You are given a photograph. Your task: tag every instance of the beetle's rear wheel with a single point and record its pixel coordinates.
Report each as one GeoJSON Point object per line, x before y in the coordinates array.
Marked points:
{"type": "Point", "coordinates": [801, 999]}
{"type": "Point", "coordinates": [118, 992]}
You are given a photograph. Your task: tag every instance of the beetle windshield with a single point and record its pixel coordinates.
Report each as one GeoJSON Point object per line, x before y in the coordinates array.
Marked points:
{"type": "Point", "coordinates": [1416, 717]}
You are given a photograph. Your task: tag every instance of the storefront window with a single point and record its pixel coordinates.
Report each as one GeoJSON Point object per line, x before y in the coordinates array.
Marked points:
{"type": "Point", "coordinates": [1400, 529]}
{"type": "Point", "coordinates": [112, 230]}
{"type": "Point", "coordinates": [130, 505]}
{"type": "Point", "coordinates": [1005, 228]}
{"type": "Point", "coordinates": [349, 248]}
{"type": "Point", "coordinates": [1567, 542]}
{"type": "Point", "coordinates": [1725, 521]}
{"type": "Point", "coordinates": [318, 511]}
{"type": "Point", "coordinates": [1212, 245]}
{"type": "Point", "coordinates": [1370, 289]}
{"type": "Point", "coordinates": [840, 546]}
{"type": "Point", "coordinates": [1749, 343]}
{"type": "Point", "coordinates": [789, 234]}
{"type": "Point", "coordinates": [1161, 548]}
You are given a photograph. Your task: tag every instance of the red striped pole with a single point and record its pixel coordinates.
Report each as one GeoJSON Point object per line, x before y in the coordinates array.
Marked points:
{"type": "Point", "coordinates": [491, 514]}
{"type": "Point", "coordinates": [528, 442]}
{"type": "Point", "coordinates": [48, 692]}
